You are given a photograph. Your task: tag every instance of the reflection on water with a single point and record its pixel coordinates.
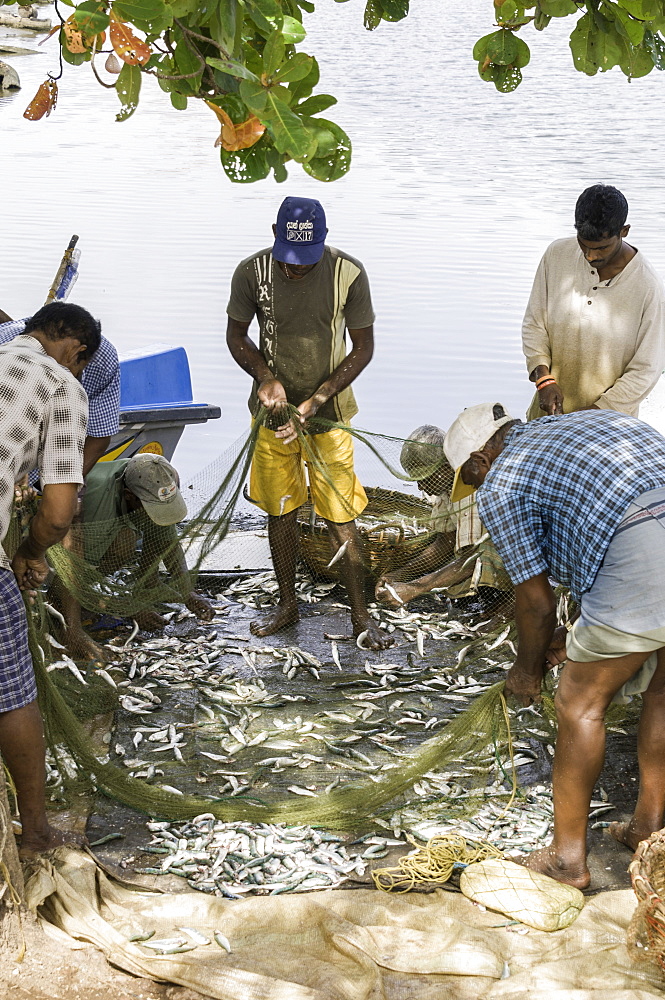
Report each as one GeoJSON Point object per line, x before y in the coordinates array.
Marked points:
{"type": "Point", "coordinates": [454, 193]}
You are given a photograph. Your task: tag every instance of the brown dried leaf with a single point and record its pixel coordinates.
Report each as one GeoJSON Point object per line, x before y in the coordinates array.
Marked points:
{"type": "Point", "coordinates": [73, 37]}
{"type": "Point", "coordinates": [234, 137]}
{"type": "Point", "coordinates": [43, 102]}
{"type": "Point", "coordinates": [131, 49]}
{"type": "Point", "coordinates": [54, 29]}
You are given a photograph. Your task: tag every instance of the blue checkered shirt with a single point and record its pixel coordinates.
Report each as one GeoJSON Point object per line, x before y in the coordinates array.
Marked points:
{"type": "Point", "coordinates": [555, 495]}
{"type": "Point", "coordinates": [100, 379]}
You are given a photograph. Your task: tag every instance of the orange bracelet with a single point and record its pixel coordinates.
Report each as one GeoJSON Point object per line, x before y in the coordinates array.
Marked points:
{"type": "Point", "coordinates": [545, 380]}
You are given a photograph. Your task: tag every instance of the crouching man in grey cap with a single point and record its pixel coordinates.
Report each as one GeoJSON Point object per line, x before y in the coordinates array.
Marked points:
{"type": "Point", "coordinates": [579, 498]}
{"type": "Point", "coordinates": [125, 499]}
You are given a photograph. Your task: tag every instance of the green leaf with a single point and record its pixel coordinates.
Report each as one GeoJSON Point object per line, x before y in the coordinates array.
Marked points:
{"type": "Point", "coordinates": [180, 8]}
{"type": "Point", "coordinates": [276, 161]}
{"type": "Point", "coordinates": [270, 9]}
{"type": "Point", "coordinates": [91, 18]}
{"type": "Point", "coordinates": [128, 86]}
{"type": "Point", "coordinates": [234, 107]}
{"type": "Point", "coordinates": [507, 11]}
{"type": "Point", "coordinates": [334, 165]}
{"type": "Point", "coordinates": [480, 48]}
{"type": "Point", "coordinates": [266, 15]}
{"type": "Point", "coordinates": [292, 30]}
{"type": "Point", "coordinates": [626, 25]}
{"type": "Point", "coordinates": [225, 24]}
{"type": "Point", "coordinates": [541, 20]}
{"type": "Point", "coordinates": [326, 143]}
{"type": "Point", "coordinates": [502, 47]}
{"type": "Point", "coordinates": [557, 8]}
{"type": "Point", "coordinates": [655, 46]}
{"type": "Point", "coordinates": [164, 64]}
{"type": "Point", "coordinates": [645, 10]}
{"type": "Point", "coordinates": [233, 68]}
{"type": "Point", "coordinates": [288, 132]}
{"type": "Point", "coordinates": [140, 11]}
{"type": "Point", "coordinates": [635, 61]}
{"type": "Point", "coordinates": [187, 62]}
{"type": "Point", "coordinates": [486, 73]}
{"type": "Point", "coordinates": [523, 53]}
{"type": "Point", "coordinates": [254, 95]}
{"type": "Point", "coordinates": [247, 165]}
{"type": "Point", "coordinates": [273, 52]}
{"type": "Point", "coordinates": [316, 104]}
{"type": "Point", "coordinates": [303, 88]}
{"type": "Point", "coordinates": [297, 68]}
{"type": "Point", "coordinates": [373, 15]}
{"type": "Point", "coordinates": [593, 49]}
{"type": "Point", "coordinates": [506, 78]}
{"type": "Point", "coordinates": [394, 10]}
{"type": "Point", "coordinates": [179, 101]}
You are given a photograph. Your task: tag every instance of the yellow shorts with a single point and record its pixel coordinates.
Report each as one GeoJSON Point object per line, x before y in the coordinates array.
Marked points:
{"type": "Point", "coordinates": [277, 480]}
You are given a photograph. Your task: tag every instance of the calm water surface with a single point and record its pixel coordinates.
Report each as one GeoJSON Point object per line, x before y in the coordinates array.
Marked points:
{"type": "Point", "coordinates": [454, 193]}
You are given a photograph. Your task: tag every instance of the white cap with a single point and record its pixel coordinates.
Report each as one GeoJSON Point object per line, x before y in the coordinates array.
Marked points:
{"type": "Point", "coordinates": [470, 432]}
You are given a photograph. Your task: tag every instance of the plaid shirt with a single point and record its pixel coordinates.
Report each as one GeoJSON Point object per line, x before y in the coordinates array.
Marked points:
{"type": "Point", "coordinates": [100, 379]}
{"type": "Point", "coordinates": [43, 416]}
{"type": "Point", "coordinates": [557, 492]}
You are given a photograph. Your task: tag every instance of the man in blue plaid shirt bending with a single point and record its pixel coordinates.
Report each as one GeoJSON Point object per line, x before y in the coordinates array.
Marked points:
{"type": "Point", "coordinates": [579, 498]}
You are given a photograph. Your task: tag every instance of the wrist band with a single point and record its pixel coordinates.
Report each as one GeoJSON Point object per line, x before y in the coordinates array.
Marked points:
{"type": "Point", "coordinates": [542, 382]}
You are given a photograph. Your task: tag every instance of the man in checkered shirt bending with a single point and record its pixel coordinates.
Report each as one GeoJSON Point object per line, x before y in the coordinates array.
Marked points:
{"type": "Point", "coordinates": [101, 381]}
{"type": "Point", "coordinates": [579, 498]}
{"type": "Point", "coordinates": [43, 421]}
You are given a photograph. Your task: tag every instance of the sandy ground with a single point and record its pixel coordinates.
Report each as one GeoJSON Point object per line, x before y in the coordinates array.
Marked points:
{"type": "Point", "coordinates": [52, 971]}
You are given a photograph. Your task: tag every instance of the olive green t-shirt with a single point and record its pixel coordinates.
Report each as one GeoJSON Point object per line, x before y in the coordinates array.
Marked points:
{"type": "Point", "coordinates": [302, 322]}
{"type": "Point", "coordinates": [103, 506]}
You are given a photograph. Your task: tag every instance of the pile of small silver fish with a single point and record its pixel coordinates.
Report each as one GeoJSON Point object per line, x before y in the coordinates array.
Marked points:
{"type": "Point", "coordinates": [232, 859]}
{"type": "Point", "coordinates": [260, 590]}
{"type": "Point", "coordinates": [245, 733]}
{"type": "Point", "coordinates": [516, 829]}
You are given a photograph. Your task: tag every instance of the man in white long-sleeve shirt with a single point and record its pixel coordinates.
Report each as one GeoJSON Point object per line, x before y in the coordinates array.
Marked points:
{"type": "Point", "coordinates": [594, 330]}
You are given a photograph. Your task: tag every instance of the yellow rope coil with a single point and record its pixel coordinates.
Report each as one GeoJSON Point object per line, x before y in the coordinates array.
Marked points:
{"type": "Point", "coordinates": [435, 862]}
{"type": "Point", "coordinates": [432, 863]}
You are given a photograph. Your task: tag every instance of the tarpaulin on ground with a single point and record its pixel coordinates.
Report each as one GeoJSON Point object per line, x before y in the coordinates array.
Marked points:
{"type": "Point", "coordinates": [344, 945]}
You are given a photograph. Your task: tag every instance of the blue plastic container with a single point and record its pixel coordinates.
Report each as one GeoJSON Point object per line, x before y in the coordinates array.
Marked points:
{"type": "Point", "coordinates": [156, 380]}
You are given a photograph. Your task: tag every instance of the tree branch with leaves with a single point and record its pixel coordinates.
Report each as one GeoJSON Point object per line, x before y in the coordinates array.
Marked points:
{"type": "Point", "coordinates": [240, 58]}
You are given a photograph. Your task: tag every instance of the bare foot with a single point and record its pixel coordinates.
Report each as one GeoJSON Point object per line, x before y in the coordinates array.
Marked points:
{"type": "Point", "coordinates": [395, 595]}
{"type": "Point", "coordinates": [47, 840]}
{"type": "Point", "coordinates": [283, 616]}
{"type": "Point", "coordinates": [82, 647]}
{"type": "Point", "coordinates": [150, 620]}
{"type": "Point", "coordinates": [546, 862]}
{"type": "Point", "coordinates": [374, 637]}
{"type": "Point", "coordinates": [630, 834]}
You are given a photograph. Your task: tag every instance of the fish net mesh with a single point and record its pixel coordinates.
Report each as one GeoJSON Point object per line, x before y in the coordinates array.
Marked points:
{"type": "Point", "coordinates": [408, 735]}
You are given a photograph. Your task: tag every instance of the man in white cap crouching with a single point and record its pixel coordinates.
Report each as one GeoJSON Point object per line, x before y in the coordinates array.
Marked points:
{"type": "Point", "coordinates": [579, 498]}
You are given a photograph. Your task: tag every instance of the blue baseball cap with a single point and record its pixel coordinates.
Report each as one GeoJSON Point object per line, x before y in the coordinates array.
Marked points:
{"type": "Point", "coordinates": [301, 231]}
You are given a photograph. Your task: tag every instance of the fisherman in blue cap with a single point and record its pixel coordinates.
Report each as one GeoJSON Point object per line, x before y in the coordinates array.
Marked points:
{"type": "Point", "coordinates": [306, 296]}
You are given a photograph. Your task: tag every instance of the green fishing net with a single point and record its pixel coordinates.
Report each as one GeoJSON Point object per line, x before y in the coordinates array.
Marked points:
{"type": "Point", "coordinates": [395, 529]}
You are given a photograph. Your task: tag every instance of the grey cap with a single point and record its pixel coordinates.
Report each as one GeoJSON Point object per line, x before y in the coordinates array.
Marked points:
{"type": "Point", "coordinates": [155, 482]}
